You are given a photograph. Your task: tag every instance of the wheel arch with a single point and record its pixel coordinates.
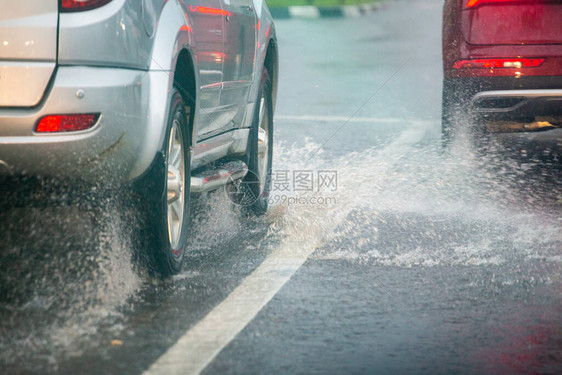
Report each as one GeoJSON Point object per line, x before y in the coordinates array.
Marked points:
{"type": "Point", "coordinates": [185, 82]}
{"type": "Point", "coordinates": [172, 54]}
{"type": "Point", "coordinates": [271, 63]}
{"type": "Point", "coordinates": [171, 61]}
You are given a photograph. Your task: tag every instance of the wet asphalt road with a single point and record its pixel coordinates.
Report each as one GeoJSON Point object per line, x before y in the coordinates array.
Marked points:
{"type": "Point", "coordinates": [417, 261]}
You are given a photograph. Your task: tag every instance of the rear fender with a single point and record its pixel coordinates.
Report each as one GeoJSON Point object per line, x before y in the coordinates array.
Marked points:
{"type": "Point", "coordinates": [172, 35]}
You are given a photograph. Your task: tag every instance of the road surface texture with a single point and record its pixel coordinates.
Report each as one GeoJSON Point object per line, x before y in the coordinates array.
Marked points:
{"type": "Point", "coordinates": [381, 253]}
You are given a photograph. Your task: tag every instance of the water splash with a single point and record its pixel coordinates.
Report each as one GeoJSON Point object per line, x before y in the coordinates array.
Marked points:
{"type": "Point", "coordinates": [63, 274]}
{"type": "Point", "coordinates": [406, 203]}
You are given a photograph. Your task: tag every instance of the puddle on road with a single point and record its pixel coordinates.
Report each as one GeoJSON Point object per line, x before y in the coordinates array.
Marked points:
{"type": "Point", "coordinates": [402, 203]}
{"type": "Point", "coordinates": [480, 236]}
{"type": "Point", "coordinates": [69, 281]}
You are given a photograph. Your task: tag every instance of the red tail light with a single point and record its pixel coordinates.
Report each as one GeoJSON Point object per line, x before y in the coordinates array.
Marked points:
{"type": "Point", "coordinates": [81, 5]}
{"type": "Point", "coordinates": [498, 63]}
{"type": "Point", "coordinates": [475, 3]}
{"type": "Point", "coordinates": [66, 123]}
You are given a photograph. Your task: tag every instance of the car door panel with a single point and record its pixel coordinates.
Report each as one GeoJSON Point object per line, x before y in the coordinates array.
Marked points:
{"type": "Point", "coordinates": [207, 18]}
{"type": "Point", "coordinates": [239, 58]}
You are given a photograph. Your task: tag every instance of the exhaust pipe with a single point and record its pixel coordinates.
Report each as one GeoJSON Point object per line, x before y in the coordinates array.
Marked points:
{"type": "Point", "coordinates": [514, 127]}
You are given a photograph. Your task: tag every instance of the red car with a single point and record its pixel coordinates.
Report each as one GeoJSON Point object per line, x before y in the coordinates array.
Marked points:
{"type": "Point", "coordinates": [502, 65]}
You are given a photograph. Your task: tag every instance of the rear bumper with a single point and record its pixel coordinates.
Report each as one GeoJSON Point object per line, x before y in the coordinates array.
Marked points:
{"type": "Point", "coordinates": [121, 145]}
{"type": "Point", "coordinates": [517, 104]}
{"type": "Point", "coordinates": [487, 101]}
{"type": "Point", "coordinates": [505, 96]}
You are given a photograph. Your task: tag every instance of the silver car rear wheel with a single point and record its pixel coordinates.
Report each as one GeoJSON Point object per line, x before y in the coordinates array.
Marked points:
{"type": "Point", "coordinates": [175, 173]}
{"type": "Point", "coordinates": [263, 145]}
{"type": "Point", "coordinates": [166, 188]}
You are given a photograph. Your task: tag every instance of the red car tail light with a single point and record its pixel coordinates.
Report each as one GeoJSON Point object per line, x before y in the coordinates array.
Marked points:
{"type": "Point", "coordinates": [498, 63]}
{"type": "Point", "coordinates": [475, 3]}
{"type": "Point", "coordinates": [81, 5]}
{"type": "Point", "coordinates": [66, 123]}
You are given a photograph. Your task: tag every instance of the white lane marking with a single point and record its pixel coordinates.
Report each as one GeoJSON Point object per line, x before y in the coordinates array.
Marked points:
{"type": "Point", "coordinates": [341, 119]}
{"type": "Point", "coordinates": [351, 11]}
{"type": "Point", "coordinates": [202, 343]}
{"type": "Point", "coordinates": [304, 11]}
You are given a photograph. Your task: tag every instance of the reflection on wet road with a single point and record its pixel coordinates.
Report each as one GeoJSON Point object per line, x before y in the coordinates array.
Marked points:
{"type": "Point", "coordinates": [417, 261]}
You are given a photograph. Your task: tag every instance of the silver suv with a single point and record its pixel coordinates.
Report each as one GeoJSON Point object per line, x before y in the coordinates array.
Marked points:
{"type": "Point", "coordinates": [172, 97]}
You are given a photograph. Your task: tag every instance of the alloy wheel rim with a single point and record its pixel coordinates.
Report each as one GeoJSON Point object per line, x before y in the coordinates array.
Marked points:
{"type": "Point", "coordinates": [263, 146]}
{"type": "Point", "coordinates": [175, 184]}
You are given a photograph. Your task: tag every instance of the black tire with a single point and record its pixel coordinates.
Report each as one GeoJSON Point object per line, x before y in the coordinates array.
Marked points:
{"type": "Point", "coordinates": [166, 254]}
{"type": "Point", "coordinates": [256, 186]}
